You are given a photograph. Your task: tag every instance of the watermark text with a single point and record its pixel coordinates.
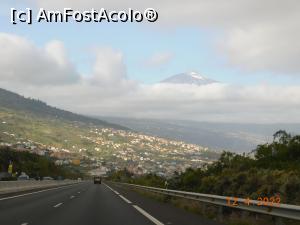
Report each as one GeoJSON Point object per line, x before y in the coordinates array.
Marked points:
{"type": "Point", "coordinates": [67, 15]}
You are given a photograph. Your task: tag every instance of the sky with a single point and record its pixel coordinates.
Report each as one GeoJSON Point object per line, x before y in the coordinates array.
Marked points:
{"type": "Point", "coordinates": [114, 69]}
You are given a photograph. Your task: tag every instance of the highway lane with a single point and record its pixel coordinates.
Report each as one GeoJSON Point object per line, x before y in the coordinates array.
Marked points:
{"type": "Point", "coordinates": [34, 207]}
{"type": "Point", "coordinates": [89, 204]}
{"type": "Point", "coordinates": [82, 204]}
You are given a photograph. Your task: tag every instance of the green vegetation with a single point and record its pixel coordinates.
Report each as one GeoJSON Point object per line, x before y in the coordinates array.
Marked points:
{"type": "Point", "coordinates": [35, 124]}
{"type": "Point", "coordinates": [23, 119]}
{"type": "Point", "coordinates": [272, 169]}
{"type": "Point", "coordinates": [34, 165]}
{"type": "Point", "coordinates": [48, 131]}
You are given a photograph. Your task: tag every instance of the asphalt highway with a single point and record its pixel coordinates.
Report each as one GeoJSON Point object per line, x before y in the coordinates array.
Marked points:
{"type": "Point", "coordinates": [91, 204]}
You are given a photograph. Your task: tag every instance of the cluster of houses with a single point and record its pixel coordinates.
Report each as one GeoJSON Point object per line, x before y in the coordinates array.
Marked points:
{"type": "Point", "coordinates": [139, 153]}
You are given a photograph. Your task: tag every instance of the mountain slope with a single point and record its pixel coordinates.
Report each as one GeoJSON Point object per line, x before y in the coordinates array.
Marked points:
{"type": "Point", "coordinates": [33, 125]}
{"type": "Point", "coordinates": [13, 101]}
{"type": "Point", "coordinates": [189, 78]}
{"type": "Point", "coordinates": [219, 136]}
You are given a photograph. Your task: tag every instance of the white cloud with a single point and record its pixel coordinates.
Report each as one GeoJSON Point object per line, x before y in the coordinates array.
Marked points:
{"type": "Point", "coordinates": [56, 51]}
{"type": "Point", "coordinates": [159, 59]}
{"type": "Point", "coordinates": [257, 35]}
{"type": "Point", "coordinates": [109, 75]}
{"type": "Point", "coordinates": [265, 47]}
{"type": "Point", "coordinates": [216, 102]}
{"type": "Point", "coordinates": [108, 91]}
{"type": "Point", "coordinates": [21, 61]}
{"type": "Point", "coordinates": [109, 67]}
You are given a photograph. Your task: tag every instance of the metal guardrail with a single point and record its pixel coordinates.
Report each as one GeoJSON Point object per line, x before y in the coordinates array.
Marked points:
{"type": "Point", "coordinates": [281, 210]}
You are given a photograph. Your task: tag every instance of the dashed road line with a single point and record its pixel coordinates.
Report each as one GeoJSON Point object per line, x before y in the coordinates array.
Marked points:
{"type": "Point", "coordinates": [57, 205]}
{"type": "Point", "coordinates": [71, 197]}
{"type": "Point", "coordinates": [151, 218]}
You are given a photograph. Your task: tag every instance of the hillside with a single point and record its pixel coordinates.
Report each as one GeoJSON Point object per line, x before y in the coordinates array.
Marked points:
{"type": "Point", "coordinates": [15, 102]}
{"type": "Point", "coordinates": [30, 125]}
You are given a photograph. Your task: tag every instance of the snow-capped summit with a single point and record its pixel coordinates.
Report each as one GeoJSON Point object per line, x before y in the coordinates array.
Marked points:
{"type": "Point", "coordinates": [189, 78]}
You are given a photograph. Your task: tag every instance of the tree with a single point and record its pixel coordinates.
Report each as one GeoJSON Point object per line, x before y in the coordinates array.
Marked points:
{"type": "Point", "coordinates": [281, 137]}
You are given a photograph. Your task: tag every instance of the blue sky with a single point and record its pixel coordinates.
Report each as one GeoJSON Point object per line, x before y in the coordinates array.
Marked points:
{"type": "Point", "coordinates": [192, 49]}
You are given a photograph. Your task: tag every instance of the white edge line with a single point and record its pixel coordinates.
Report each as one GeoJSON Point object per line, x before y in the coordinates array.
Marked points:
{"type": "Point", "coordinates": [122, 197]}
{"type": "Point", "coordinates": [125, 199]}
{"type": "Point", "coordinates": [111, 189]}
{"type": "Point", "coordinates": [59, 204]}
{"type": "Point", "coordinates": [35, 192]}
{"type": "Point", "coordinates": [154, 220]}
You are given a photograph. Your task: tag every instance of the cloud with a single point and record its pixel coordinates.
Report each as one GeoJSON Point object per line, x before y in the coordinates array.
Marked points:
{"type": "Point", "coordinates": [27, 69]}
{"type": "Point", "coordinates": [158, 60]}
{"type": "Point", "coordinates": [109, 67]}
{"type": "Point", "coordinates": [215, 102]}
{"type": "Point", "coordinates": [265, 47]}
{"type": "Point", "coordinates": [108, 91]}
{"type": "Point", "coordinates": [252, 34]}
{"type": "Point", "coordinates": [21, 61]}
{"type": "Point", "coordinates": [108, 77]}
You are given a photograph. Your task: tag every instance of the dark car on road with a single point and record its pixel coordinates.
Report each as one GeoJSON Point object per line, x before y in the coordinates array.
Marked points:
{"type": "Point", "coordinates": [97, 180]}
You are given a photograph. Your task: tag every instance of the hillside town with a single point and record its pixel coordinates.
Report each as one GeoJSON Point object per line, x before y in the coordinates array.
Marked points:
{"type": "Point", "coordinates": [105, 149]}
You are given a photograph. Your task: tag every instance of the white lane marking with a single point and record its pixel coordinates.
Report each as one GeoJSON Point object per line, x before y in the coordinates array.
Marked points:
{"type": "Point", "coordinates": [154, 220]}
{"type": "Point", "coordinates": [125, 199]}
{"type": "Point", "coordinates": [72, 196]}
{"type": "Point", "coordinates": [36, 192]}
{"type": "Point", "coordinates": [117, 193]}
{"type": "Point", "coordinates": [24, 223]}
{"type": "Point", "coordinates": [109, 187]}
{"type": "Point", "coordinates": [57, 205]}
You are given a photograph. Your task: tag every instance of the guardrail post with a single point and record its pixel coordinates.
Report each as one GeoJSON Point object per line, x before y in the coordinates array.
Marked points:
{"type": "Point", "coordinates": [220, 213]}
{"type": "Point", "coordinates": [278, 221]}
